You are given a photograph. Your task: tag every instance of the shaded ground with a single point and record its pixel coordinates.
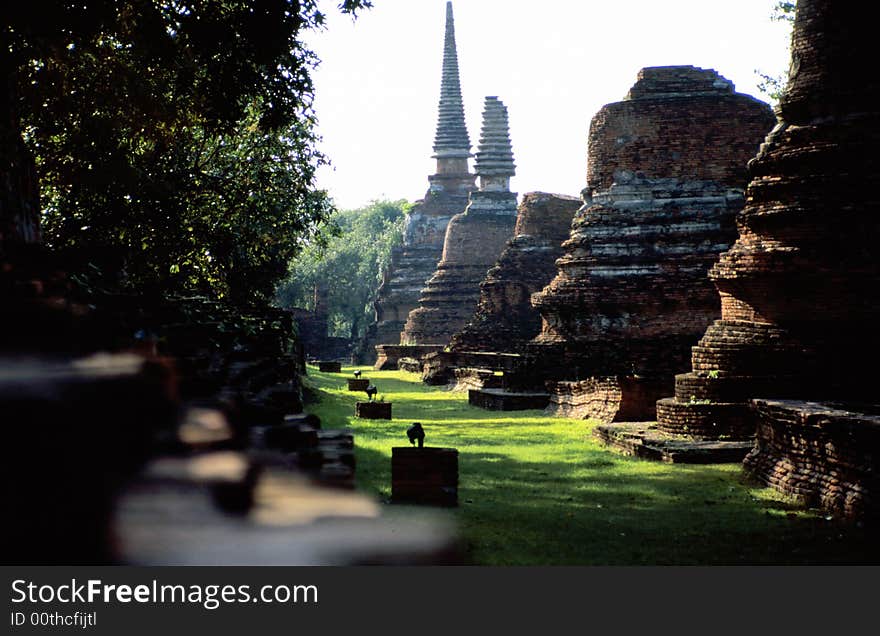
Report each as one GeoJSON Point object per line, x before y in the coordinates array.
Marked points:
{"type": "Point", "coordinates": [542, 491]}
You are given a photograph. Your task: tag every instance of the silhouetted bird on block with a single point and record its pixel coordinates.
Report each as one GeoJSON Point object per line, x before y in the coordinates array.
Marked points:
{"type": "Point", "coordinates": [416, 432]}
{"type": "Point", "coordinates": [357, 374]}
{"type": "Point", "coordinates": [371, 392]}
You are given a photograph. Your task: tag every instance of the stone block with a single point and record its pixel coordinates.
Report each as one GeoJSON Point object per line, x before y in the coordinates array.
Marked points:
{"type": "Point", "coordinates": [424, 475]}
{"type": "Point", "coordinates": [373, 410]}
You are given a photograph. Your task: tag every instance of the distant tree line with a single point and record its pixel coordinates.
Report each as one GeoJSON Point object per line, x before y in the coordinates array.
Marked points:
{"type": "Point", "coordinates": [345, 265]}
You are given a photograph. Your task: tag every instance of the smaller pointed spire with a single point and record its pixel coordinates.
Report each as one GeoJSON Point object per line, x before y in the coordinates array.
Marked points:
{"type": "Point", "coordinates": [494, 163]}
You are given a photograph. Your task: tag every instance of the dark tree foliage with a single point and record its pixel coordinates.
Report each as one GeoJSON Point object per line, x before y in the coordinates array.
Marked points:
{"type": "Point", "coordinates": [174, 141]}
{"type": "Point", "coordinates": [346, 266]}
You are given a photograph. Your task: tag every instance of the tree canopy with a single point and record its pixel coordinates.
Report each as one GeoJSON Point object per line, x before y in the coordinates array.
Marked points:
{"type": "Point", "coordinates": [772, 86]}
{"type": "Point", "coordinates": [174, 142]}
{"type": "Point", "coordinates": [346, 266]}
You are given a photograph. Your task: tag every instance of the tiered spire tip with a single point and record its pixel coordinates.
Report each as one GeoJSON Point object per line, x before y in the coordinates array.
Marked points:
{"type": "Point", "coordinates": [495, 156]}
{"type": "Point", "coordinates": [451, 139]}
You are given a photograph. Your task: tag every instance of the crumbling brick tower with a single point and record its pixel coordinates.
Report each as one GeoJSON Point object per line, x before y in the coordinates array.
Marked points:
{"type": "Point", "coordinates": [474, 239]}
{"type": "Point", "coordinates": [414, 262]}
{"type": "Point", "coordinates": [666, 175]}
{"type": "Point", "coordinates": [505, 320]}
{"type": "Point", "coordinates": [800, 288]}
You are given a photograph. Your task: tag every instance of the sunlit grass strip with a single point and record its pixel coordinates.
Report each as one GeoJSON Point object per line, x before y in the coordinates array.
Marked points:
{"type": "Point", "coordinates": [542, 490]}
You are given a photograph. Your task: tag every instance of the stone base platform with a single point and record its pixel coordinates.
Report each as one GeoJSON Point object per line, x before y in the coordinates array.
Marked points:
{"type": "Point", "coordinates": [823, 454]}
{"type": "Point", "coordinates": [358, 384]}
{"type": "Point", "coordinates": [500, 400]}
{"type": "Point", "coordinates": [643, 439]}
{"type": "Point", "coordinates": [410, 365]}
{"type": "Point", "coordinates": [373, 410]}
{"type": "Point", "coordinates": [329, 366]}
{"type": "Point", "coordinates": [608, 398]}
{"type": "Point", "coordinates": [441, 367]}
{"type": "Point", "coordinates": [467, 378]}
{"type": "Point", "coordinates": [424, 475]}
{"type": "Point", "coordinates": [390, 355]}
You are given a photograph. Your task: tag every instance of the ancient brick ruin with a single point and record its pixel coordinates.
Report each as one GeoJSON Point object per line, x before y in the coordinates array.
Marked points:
{"type": "Point", "coordinates": [799, 288]}
{"type": "Point", "coordinates": [666, 172]}
{"type": "Point", "coordinates": [313, 327]}
{"type": "Point", "coordinates": [505, 321]}
{"type": "Point", "coordinates": [474, 239]}
{"type": "Point", "coordinates": [414, 262]}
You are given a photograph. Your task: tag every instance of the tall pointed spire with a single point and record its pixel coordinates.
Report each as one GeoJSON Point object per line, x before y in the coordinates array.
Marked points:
{"type": "Point", "coordinates": [451, 140]}
{"type": "Point", "coordinates": [494, 164]}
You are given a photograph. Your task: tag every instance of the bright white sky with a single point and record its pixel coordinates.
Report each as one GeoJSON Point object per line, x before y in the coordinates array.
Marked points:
{"type": "Point", "coordinates": [554, 63]}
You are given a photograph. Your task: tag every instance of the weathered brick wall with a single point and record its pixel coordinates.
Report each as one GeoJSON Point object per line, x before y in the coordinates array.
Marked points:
{"type": "Point", "coordinates": [474, 240]}
{"type": "Point", "coordinates": [666, 174]}
{"type": "Point", "coordinates": [800, 287]}
{"type": "Point", "coordinates": [606, 398]}
{"type": "Point", "coordinates": [505, 319]}
{"type": "Point", "coordinates": [821, 454]}
{"type": "Point", "coordinates": [678, 122]}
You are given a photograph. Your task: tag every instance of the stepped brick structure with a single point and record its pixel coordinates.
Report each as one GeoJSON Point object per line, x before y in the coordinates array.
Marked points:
{"type": "Point", "coordinates": [800, 288]}
{"type": "Point", "coordinates": [474, 239]}
{"type": "Point", "coordinates": [666, 172]}
{"type": "Point", "coordinates": [414, 262]}
{"type": "Point", "coordinates": [505, 319]}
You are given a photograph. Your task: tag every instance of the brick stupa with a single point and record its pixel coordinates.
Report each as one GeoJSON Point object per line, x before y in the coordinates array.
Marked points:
{"type": "Point", "coordinates": [474, 239]}
{"type": "Point", "coordinates": [800, 288]}
{"type": "Point", "coordinates": [505, 320]}
{"type": "Point", "coordinates": [415, 261]}
{"type": "Point", "coordinates": [666, 174]}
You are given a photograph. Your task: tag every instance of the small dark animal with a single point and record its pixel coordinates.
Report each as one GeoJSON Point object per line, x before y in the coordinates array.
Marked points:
{"type": "Point", "coordinates": [357, 374]}
{"type": "Point", "coordinates": [371, 392]}
{"type": "Point", "coordinates": [416, 432]}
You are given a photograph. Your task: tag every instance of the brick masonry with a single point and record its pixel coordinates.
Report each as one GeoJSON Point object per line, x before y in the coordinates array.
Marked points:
{"type": "Point", "coordinates": [820, 453]}
{"type": "Point", "coordinates": [666, 173]}
{"type": "Point", "coordinates": [800, 287]}
{"type": "Point", "coordinates": [505, 320]}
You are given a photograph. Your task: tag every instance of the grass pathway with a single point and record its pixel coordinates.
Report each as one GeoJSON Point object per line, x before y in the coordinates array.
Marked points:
{"type": "Point", "coordinates": [535, 490]}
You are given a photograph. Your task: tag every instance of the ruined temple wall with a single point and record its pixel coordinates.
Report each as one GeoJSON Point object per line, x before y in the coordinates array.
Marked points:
{"type": "Point", "coordinates": [473, 242]}
{"type": "Point", "coordinates": [800, 287]}
{"type": "Point", "coordinates": [666, 177]}
{"type": "Point", "coordinates": [680, 122]}
{"type": "Point", "coordinates": [505, 319]}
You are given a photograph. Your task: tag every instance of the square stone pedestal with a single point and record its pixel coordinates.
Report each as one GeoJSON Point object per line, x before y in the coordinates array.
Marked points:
{"type": "Point", "coordinates": [424, 475]}
{"type": "Point", "coordinates": [373, 410]}
{"type": "Point", "coordinates": [358, 384]}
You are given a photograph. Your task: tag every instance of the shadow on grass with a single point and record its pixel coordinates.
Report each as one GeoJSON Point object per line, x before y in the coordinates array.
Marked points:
{"type": "Point", "coordinates": [535, 490]}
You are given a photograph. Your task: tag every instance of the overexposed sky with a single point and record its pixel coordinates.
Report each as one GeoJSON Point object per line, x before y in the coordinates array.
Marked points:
{"type": "Point", "coordinates": [553, 63]}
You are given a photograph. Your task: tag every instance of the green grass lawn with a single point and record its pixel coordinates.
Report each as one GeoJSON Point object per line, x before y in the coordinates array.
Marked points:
{"type": "Point", "coordinates": [535, 490]}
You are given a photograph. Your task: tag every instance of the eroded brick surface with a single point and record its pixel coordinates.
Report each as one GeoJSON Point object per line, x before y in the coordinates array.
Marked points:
{"type": "Point", "coordinates": [667, 170]}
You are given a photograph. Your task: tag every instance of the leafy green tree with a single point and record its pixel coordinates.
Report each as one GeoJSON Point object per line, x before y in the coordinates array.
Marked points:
{"type": "Point", "coordinates": [769, 85]}
{"type": "Point", "coordinates": [174, 142]}
{"type": "Point", "coordinates": [347, 264]}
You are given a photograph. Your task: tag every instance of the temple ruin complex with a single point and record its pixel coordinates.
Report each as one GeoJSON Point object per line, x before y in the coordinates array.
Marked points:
{"type": "Point", "coordinates": [666, 174]}
{"type": "Point", "coordinates": [414, 262]}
